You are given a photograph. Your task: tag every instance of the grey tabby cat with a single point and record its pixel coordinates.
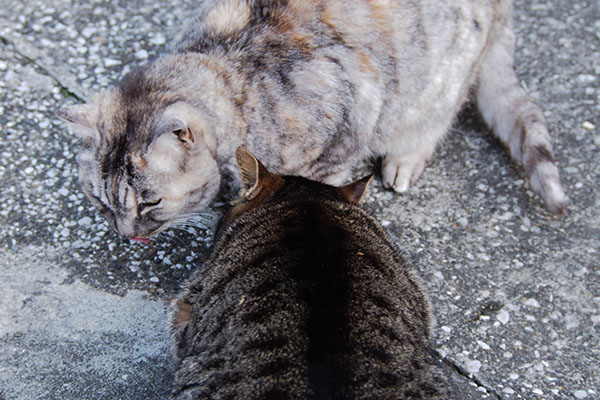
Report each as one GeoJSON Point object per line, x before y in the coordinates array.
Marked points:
{"type": "Point", "coordinates": [304, 296]}
{"type": "Point", "coordinates": [311, 87]}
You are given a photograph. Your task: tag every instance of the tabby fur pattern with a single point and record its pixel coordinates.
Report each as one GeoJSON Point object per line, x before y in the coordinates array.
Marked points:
{"type": "Point", "coordinates": [304, 296]}
{"type": "Point", "coordinates": [312, 87]}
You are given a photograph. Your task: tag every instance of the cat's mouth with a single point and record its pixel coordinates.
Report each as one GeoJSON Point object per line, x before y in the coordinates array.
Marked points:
{"type": "Point", "coordinates": [146, 238]}
{"type": "Point", "coordinates": [140, 239]}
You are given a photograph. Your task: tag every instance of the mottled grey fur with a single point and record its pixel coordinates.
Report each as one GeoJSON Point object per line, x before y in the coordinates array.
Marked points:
{"type": "Point", "coordinates": [304, 296]}
{"type": "Point", "coordinates": [312, 87]}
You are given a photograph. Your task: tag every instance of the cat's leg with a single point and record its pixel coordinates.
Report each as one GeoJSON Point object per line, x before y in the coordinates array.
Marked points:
{"type": "Point", "coordinates": [406, 159]}
{"type": "Point", "coordinates": [338, 178]}
{"type": "Point", "coordinates": [401, 170]}
{"type": "Point", "coordinates": [516, 120]}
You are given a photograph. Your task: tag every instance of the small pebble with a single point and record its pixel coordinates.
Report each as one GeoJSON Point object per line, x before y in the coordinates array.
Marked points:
{"type": "Point", "coordinates": [88, 31]}
{"type": "Point", "coordinates": [483, 345]}
{"type": "Point", "coordinates": [539, 367]}
{"type": "Point", "coordinates": [587, 78]}
{"type": "Point", "coordinates": [109, 62]}
{"type": "Point", "coordinates": [141, 54]}
{"type": "Point", "coordinates": [473, 366]}
{"type": "Point", "coordinates": [503, 316]}
{"type": "Point", "coordinates": [571, 321]}
{"type": "Point", "coordinates": [158, 39]}
{"type": "Point", "coordinates": [580, 394]}
{"type": "Point", "coordinates": [588, 126]}
{"type": "Point", "coordinates": [532, 303]}
{"type": "Point", "coordinates": [85, 221]}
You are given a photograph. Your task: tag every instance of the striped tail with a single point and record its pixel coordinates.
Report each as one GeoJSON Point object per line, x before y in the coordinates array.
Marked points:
{"type": "Point", "coordinates": [514, 118]}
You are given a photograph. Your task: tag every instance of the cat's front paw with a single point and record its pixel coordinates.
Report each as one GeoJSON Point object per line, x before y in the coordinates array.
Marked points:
{"type": "Point", "coordinates": [401, 171]}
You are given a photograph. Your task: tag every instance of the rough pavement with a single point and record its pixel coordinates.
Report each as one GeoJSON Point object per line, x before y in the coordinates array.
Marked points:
{"type": "Point", "coordinates": [83, 313]}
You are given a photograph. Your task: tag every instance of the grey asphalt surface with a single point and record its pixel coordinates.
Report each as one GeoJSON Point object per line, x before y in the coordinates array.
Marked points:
{"type": "Point", "coordinates": [83, 313]}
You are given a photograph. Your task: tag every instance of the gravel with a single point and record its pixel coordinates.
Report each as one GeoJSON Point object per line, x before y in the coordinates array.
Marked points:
{"type": "Point", "coordinates": [516, 291]}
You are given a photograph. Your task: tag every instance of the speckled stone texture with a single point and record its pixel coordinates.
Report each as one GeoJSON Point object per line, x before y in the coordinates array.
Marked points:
{"type": "Point", "coordinates": [516, 292]}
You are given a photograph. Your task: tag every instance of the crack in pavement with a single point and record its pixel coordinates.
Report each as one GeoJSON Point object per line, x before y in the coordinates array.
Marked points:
{"type": "Point", "coordinates": [59, 73]}
{"type": "Point", "coordinates": [469, 376]}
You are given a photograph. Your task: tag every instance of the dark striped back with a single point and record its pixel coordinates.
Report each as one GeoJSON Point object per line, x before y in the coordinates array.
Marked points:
{"type": "Point", "coordinates": [304, 297]}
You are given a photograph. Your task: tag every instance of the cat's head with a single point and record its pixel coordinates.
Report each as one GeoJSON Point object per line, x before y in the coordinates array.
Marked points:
{"type": "Point", "coordinates": [260, 185]}
{"type": "Point", "coordinates": [145, 161]}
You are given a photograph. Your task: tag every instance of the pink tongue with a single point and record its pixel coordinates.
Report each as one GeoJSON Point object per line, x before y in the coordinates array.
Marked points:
{"type": "Point", "coordinates": [143, 240]}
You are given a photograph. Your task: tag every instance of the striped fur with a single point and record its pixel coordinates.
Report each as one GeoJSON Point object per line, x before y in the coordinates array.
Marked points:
{"type": "Point", "coordinates": [296, 302]}
{"type": "Point", "coordinates": [312, 87]}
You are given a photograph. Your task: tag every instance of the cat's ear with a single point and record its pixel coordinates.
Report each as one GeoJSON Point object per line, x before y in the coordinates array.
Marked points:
{"type": "Point", "coordinates": [355, 191]}
{"type": "Point", "coordinates": [171, 139]}
{"type": "Point", "coordinates": [177, 127]}
{"type": "Point", "coordinates": [84, 118]}
{"type": "Point", "coordinates": [186, 136]}
{"type": "Point", "coordinates": [81, 117]}
{"type": "Point", "coordinates": [255, 177]}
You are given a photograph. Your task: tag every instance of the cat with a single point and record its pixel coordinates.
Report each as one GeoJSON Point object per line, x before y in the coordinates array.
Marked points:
{"type": "Point", "coordinates": [303, 296]}
{"type": "Point", "coordinates": [312, 87]}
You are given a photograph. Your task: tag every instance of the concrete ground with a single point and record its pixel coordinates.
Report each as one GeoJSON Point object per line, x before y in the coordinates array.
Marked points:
{"type": "Point", "coordinates": [83, 313]}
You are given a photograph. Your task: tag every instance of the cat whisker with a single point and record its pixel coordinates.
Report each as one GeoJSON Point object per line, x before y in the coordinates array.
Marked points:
{"type": "Point", "coordinates": [186, 229]}
{"type": "Point", "coordinates": [161, 237]}
{"type": "Point", "coordinates": [180, 241]}
{"type": "Point", "coordinates": [206, 221]}
{"type": "Point", "coordinates": [456, 130]}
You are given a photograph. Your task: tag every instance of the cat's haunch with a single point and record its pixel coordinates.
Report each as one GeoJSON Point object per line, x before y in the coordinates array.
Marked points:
{"type": "Point", "coordinates": [312, 87]}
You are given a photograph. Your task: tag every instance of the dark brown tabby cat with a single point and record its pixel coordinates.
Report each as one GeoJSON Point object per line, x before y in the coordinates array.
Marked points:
{"type": "Point", "coordinates": [312, 87]}
{"type": "Point", "coordinates": [304, 296]}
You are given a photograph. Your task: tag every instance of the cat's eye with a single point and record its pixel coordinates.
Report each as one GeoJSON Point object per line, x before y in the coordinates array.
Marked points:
{"type": "Point", "coordinates": [148, 204]}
